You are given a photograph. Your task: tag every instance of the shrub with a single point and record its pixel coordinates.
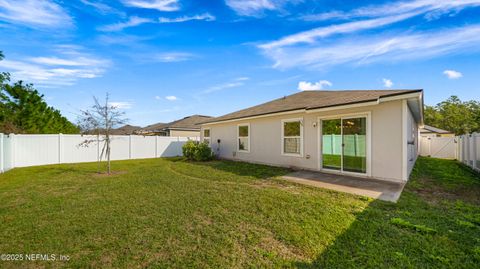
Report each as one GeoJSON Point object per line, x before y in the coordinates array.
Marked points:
{"type": "Point", "coordinates": [195, 151]}
{"type": "Point", "coordinates": [203, 152]}
{"type": "Point", "coordinates": [188, 149]}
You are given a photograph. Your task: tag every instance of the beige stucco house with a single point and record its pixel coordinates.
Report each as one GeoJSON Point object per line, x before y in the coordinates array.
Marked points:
{"type": "Point", "coordinates": [369, 133]}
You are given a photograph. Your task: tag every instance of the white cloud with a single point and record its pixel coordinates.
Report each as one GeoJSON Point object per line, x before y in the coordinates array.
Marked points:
{"type": "Point", "coordinates": [102, 8]}
{"type": "Point", "coordinates": [171, 98]}
{"type": "Point", "coordinates": [432, 9]}
{"type": "Point", "coordinates": [313, 35]}
{"type": "Point", "coordinates": [57, 71]}
{"type": "Point", "coordinates": [452, 74]}
{"type": "Point", "coordinates": [250, 7]}
{"type": "Point", "coordinates": [78, 61]}
{"type": "Point", "coordinates": [34, 13]}
{"type": "Point", "coordinates": [308, 86]}
{"type": "Point", "coordinates": [132, 22]}
{"type": "Point", "coordinates": [379, 47]}
{"type": "Point", "coordinates": [387, 82]}
{"type": "Point", "coordinates": [121, 105]}
{"type": "Point", "coordinates": [315, 47]}
{"type": "Point", "coordinates": [171, 57]}
{"type": "Point", "coordinates": [201, 17]}
{"type": "Point", "coordinates": [237, 82]}
{"type": "Point", "coordinates": [161, 5]}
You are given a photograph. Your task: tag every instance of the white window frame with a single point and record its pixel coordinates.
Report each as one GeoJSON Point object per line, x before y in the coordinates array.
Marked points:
{"type": "Point", "coordinates": [209, 139]}
{"type": "Point", "coordinates": [282, 150]}
{"type": "Point", "coordinates": [238, 137]}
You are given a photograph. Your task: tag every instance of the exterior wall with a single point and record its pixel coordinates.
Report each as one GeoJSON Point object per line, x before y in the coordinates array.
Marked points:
{"type": "Point", "coordinates": [386, 160]}
{"type": "Point", "coordinates": [412, 142]}
{"type": "Point", "coordinates": [185, 133]}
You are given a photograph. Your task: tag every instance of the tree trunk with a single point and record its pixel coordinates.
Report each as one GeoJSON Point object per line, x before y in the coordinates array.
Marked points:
{"type": "Point", "coordinates": [108, 155]}
{"type": "Point", "coordinates": [98, 154]}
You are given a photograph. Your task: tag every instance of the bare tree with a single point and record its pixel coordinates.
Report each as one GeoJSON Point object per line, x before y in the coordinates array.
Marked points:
{"type": "Point", "coordinates": [100, 119]}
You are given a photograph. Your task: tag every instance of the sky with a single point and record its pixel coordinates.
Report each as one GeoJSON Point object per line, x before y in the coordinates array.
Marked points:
{"type": "Point", "coordinates": [161, 60]}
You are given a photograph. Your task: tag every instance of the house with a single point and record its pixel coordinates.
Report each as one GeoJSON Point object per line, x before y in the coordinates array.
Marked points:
{"type": "Point", "coordinates": [186, 127]}
{"type": "Point", "coordinates": [430, 131]}
{"type": "Point", "coordinates": [366, 133]}
{"type": "Point", "coordinates": [125, 130]}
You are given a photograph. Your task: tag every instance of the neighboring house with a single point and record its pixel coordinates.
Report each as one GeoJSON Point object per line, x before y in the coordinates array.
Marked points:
{"type": "Point", "coordinates": [186, 127]}
{"type": "Point", "coordinates": [370, 133]}
{"type": "Point", "coordinates": [125, 130]}
{"type": "Point", "coordinates": [430, 131]}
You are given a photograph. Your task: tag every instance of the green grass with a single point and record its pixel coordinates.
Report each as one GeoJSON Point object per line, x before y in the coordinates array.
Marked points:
{"type": "Point", "coordinates": [172, 213]}
{"type": "Point", "coordinates": [351, 163]}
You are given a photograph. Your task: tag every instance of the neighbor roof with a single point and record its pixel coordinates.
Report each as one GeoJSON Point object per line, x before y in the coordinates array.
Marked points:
{"type": "Point", "coordinates": [431, 129]}
{"type": "Point", "coordinates": [187, 123]}
{"type": "Point", "coordinates": [311, 100]}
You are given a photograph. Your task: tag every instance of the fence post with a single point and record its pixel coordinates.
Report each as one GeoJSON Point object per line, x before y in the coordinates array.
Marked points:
{"type": "Point", "coordinates": [475, 155]}
{"type": "Point", "coordinates": [98, 148]}
{"type": "Point", "coordinates": [129, 146]}
{"type": "Point", "coordinates": [156, 146]}
{"type": "Point", "coordinates": [60, 147]}
{"type": "Point", "coordinates": [2, 157]}
{"type": "Point", "coordinates": [12, 150]}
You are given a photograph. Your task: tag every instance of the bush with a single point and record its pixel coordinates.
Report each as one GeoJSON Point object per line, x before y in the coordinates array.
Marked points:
{"type": "Point", "coordinates": [195, 151]}
{"type": "Point", "coordinates": [188, 149]}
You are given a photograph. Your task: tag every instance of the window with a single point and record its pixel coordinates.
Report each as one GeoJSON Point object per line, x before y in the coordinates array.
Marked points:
{"type": "Point", "coordinates": [206, 136]}
{"type": "Point", "coordinates": [292, 133]}
{"type": "Point", "coordinates": [243, 137]}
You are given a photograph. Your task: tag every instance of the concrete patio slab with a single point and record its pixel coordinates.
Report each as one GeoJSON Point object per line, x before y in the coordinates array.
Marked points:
{"type": "Point", "coordinates": [382, 190]}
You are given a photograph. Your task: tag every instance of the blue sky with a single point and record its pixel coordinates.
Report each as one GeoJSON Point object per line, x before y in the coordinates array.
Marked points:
{"type": "Point", "coordinates": [164, 59]}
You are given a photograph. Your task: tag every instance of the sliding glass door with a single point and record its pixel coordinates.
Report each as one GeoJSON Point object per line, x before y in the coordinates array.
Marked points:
{"type": "Point", "coordinates": [344, 144]}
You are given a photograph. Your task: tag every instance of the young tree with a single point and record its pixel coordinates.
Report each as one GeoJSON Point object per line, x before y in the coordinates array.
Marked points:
{"type": "Point", "coordinates": [100, 119]}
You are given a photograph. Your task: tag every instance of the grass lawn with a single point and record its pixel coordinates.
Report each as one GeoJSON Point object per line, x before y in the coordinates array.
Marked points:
{"type": "Point", "coordinates": [171, 213]}
{"type": "Point", "coordinates": [351, 163]}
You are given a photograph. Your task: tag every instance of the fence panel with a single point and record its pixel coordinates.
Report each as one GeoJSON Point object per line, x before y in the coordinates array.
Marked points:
{"type": "Point", "coordinates": [469, 150]}
{"type": "Point", "coordinates": [120, 147]}
{"type": "Point", "coordinates": [74, 153]}
{"type": "Point", "coordinates": [439, 147]}
{"type": "Point", "coordinates": [31, 150]}
{"type": "Point", "coordinates": [143, 147]}
{"type": "Point", "coordinates": [477, 151]}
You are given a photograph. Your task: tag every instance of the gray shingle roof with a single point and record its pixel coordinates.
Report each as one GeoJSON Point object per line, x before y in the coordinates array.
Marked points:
{"type": "Point", "coordinates": [311, 100]}
{"type": "Point", "coordinates": [432, 129]}
{"type": "Point", "coordinates": [188, 123]}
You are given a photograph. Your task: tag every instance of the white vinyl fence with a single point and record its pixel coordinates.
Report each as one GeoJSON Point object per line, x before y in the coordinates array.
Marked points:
{"type": "Point", "coordinates": [439, 147]}
{"type": "Point", "coordinates": [464, 148]}
{"type": "Point", "coordinates": [31, 150]}
{"type": "Point", "coordinates": [469, 150]}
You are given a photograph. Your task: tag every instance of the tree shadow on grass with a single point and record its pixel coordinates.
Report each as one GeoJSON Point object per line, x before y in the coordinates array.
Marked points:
{"type": "Point", "coordinates": [409, 235]}
{"type": "Point", "coordinates": [422, 230]}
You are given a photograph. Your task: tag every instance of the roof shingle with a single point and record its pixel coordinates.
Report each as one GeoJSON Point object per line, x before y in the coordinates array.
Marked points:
{"type": "Point", "coordinates": [310, 100]}
{"type": "Point", "coordinates": [189, 123]}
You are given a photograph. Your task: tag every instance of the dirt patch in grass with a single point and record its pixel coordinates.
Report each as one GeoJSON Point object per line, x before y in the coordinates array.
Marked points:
{"type": "Point", "coordinates": [271, 183]}
{"type": "Point", "coordinates": [434, 194]}
{"type": "Point", "coordinates": [269, 245]}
